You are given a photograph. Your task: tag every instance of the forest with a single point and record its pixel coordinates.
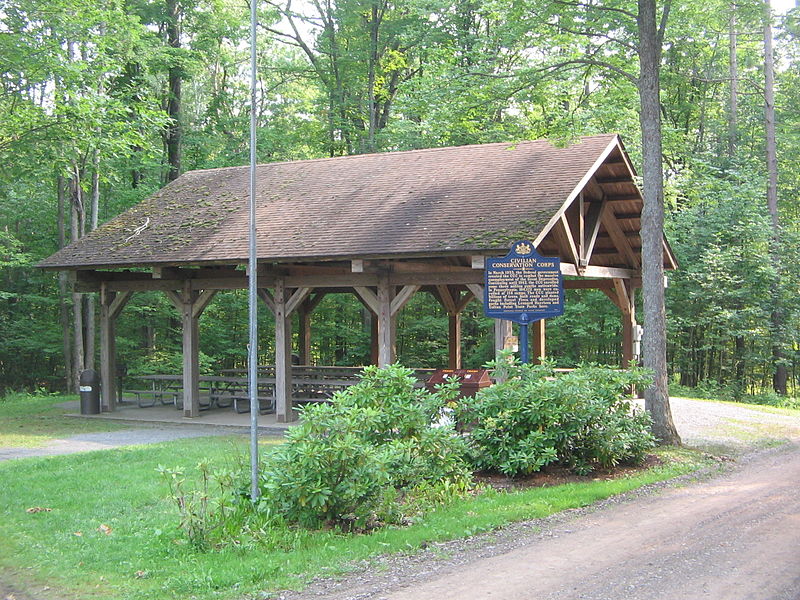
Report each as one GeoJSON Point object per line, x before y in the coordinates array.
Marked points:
{"type": "Point", "coordinates": [105, 101]}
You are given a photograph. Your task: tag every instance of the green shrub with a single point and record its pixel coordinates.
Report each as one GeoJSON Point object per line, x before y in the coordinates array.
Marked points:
{"type": "Point", "coordinates": [580, 419]}
{"type": "Point", "coordinates": [356, 462]}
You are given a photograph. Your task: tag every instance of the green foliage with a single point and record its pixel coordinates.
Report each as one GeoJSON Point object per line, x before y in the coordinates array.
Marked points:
{"type": "Point", "coordinates": [357, 462]}
{"type": "Point", "coordinates": [206, 512]}
{"type": "Point", "coordinates": [581, 419]}
{"type": "Point", "coordinates": [163, 362]}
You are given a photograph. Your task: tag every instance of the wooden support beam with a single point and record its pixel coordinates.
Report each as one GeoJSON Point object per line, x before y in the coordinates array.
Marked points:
{"type": "Point", "coordinates": [594, 216]}
{"type": "Point", "coordinates": [374, 351]}
{"type": "Point", "coordinates": [539, 348]}
{"type": "Point", "coordinates": [175, 298]}
{"type": "Point", "coordinates": [617, 198]}
{"type": "Point", "coordinates": [628, 329]}
{"type": "Point", "coordinates": [111, 304]}
{"type": "Point", "coordinates": [283, 356]}
{"type": "Point", "coordinates": [402, 298]}
{"type": "Point", "coordinates": [191, 352]}
{"type": "Point", "coordinates": [477, 291]}
{"type": "Point", "coordinates": [313, 301]}
{"type": "Point", "coordinates": [402, 274]}
{"type": "Point", "coordinates": [454, 341]}
{"type": "Point", "coordinates": [502, 330]}
{"type": "Point", "coordinates": [298, 296]}
{"type": "Point", "coordinates": [266, 298]}
{"type": "Point", "coordinates": [463, 299]}
{"type": "Point", "coordinates": [612, 295]}
{"type": "Point", "coordinates": [620, 240]}
{"type": "Point", "coordinates": [304, 334]}
{"type": "Point", "coordinates": [566, 242]}
{"type": "Point", "coordinates": [304, 312]}
{"type": "Point", "coordinates": [590, 284]}
{"type": "Point", "coordinates": [613, 180]}
{"type": "Point", "coordinates": [386, 350]}
{"type": "Point", "coordinates": [446, 299]}
{"type": "Point", "coordinates": [205, 298]}
{"type": "Point", "coordinates": [599, 272]}
{"type": "Point", "coordinates": [369, 299]}
{"type": "Point", "coordinates": [623, 297]}
{"type": "Point", "coordinates": [118, 303]}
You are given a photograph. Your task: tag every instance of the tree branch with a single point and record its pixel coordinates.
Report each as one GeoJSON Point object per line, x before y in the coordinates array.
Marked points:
{"type": "Point", "coordinates": [621, 11]}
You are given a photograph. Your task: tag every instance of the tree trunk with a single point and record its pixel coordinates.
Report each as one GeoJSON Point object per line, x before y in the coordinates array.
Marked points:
{"type": "Point", "coordinates": [89, 299]}
{"type": "Point", "coordinates": [173, 133]}
{"type": "Point", "coordinates": [655, 338]}
{"type": "Point", "coordinates": [374, 26]}
{"type": "Point", "coordinates": [78, 228]}
{"type": "Point", "coordinates": [733, 70]}
{"type": "Point", "coordinates": [781, 374]}
{"type": "Point", "coordinates": [63, 294]}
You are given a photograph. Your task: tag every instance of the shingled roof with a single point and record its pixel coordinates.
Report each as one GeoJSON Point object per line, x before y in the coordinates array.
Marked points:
{"type": "Point", "coordinates": [417, 203]}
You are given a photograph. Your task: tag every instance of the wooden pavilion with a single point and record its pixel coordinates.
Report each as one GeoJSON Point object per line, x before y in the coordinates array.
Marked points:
{"type": "Point", "coordinates": [382, 226]}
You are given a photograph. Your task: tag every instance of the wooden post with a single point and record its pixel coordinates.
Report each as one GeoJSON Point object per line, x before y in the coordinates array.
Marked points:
{"type": "Point", "coordinates": [539, 350]}
{"type": "Point", "coordinates": [108, 354]}
{"type": "Point", "coordinates": [628, 327]}
{"type": "Point", "coordinates": [111, 305]}
{"type": "Point", "coordinates": [373, 339]}
{"type": "Point", "coordinates": [386, 349]}
{"type": "Point", "coordinates": [502, 330]}
{"type": "Point", "coordinates": [304, 333]}
{"type": "Point", "coordinates": [191, 304]}
{"type": "Point", "coordinates": [283, 355]}
{"type": "Point", "coordinates": [453, 303]}
{"type": "Point", "coordinates": [454, 339]}
{"type": "Point", "coordinates": [191, 353]}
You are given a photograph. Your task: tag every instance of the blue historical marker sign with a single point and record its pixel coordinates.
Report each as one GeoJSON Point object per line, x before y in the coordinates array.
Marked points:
{"type": "Point", "coordinates": [523, 287]}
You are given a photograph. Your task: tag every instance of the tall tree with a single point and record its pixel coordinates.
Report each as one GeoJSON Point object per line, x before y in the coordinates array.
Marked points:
{"type": "Point", "coordinates": [781, 375]}
{"type": "Point", "coordinates": [651, 36]}
{"type": "Point", "coordinates": [173, 133]}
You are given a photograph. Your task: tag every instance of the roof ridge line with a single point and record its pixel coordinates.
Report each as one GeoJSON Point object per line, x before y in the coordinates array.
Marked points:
{"type": "Point", "coordinates": [396, 152]}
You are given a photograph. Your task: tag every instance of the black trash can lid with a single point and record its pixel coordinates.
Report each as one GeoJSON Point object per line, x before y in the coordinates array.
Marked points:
{"type": "Point", "coordinates": [88, 377]}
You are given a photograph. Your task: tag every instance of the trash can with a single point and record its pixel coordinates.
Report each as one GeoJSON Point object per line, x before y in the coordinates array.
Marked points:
{"type": "Point", "coordinates": [472, 380]}
{"type": "Point", "coordinates": [90, 392]}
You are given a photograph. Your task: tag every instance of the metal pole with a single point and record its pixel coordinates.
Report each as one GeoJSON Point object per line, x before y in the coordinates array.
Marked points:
{"type": "Point", "coordinates": [523, 343]}
{"type": "Point", "coordinates": [252, 354]}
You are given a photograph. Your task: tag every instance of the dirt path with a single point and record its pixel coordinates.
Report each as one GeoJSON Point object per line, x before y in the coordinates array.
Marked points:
{"type": "Point", "coordinates": [738, 537]}
{"type": "Point", "coordinates": [734, 537]}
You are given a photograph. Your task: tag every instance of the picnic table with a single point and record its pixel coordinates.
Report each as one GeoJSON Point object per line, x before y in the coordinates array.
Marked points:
{"type": "Point", "coordinates": [225, 391]}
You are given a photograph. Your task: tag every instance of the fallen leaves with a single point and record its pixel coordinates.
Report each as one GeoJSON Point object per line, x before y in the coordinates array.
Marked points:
{"type": "Point", "coordinates": [104, 529]}
{"type": "Point", "coordinates": [37, 509]}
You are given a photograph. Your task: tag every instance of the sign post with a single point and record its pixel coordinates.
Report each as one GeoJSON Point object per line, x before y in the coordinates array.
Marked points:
{"type": "Point", "coordinates": [523, 287]}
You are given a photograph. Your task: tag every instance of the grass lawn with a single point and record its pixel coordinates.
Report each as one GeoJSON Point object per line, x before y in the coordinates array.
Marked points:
{"type": "Point", "coordinates": [32, 421]}
{"type": "Point", "coordinates": [111, 533]}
